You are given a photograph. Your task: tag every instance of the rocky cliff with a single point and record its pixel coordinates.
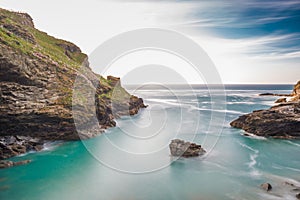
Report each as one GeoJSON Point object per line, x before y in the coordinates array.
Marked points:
{"type": "Point", "coordinates": [36, 88]}
{"type": "Point", "coordinates": [280, 121]}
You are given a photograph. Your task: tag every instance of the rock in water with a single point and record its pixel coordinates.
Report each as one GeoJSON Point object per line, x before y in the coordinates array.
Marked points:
{"type": "Point", "coordinates": [298, 196]}
{"type": "Point", "coordinates": [185, 149]}
{"type": "Point", "coordinates": [280, 121]}
{"type": "Point", "coordinates": [8, 163]}
{"type": "Point", "coordinates": [266, 186]}
{"type": "Point", "coordinates": [23, 162]}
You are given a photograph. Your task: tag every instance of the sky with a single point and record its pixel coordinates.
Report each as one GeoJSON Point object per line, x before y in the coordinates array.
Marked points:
{"type": "Point", "coordinates": [249, 41]}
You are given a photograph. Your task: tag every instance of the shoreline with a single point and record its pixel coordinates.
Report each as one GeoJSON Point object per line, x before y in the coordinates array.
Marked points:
{"type": "Point", "coordinates": [281, 121]}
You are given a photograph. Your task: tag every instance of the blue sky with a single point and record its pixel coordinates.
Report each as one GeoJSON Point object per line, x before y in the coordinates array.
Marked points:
{"type": "Point", "coordinates": [250, 41]}
{"type": "Point", "coordinates": [252, 18]}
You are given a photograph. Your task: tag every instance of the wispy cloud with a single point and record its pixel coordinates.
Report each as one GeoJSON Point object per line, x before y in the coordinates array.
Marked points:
{"type": "Point", "coordinates": [245, 38]}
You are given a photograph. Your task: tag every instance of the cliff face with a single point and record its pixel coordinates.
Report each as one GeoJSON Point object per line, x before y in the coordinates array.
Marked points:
{"type": "Point", "coordinates": [37, 78]}
{"type": "Point", "coordinates": [296, 92]}
{"type": "Point", "coordinates": [280, 121]}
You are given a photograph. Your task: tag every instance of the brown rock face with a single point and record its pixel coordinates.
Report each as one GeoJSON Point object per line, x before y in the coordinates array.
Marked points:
{"type": "Point", "coordinates": [113, 81]}
{"type": "Point", "coordinates": [15, 145]}
{"type": "Point", "coordinates": [185, 149]}
{"type": "Point", "coordinates": [296, 90]}
{"type": "Point", "coordinates": [37, 77]}
{"type": "Point", "coordinates": [280, 100]}
{"type": "Point", "coordinates": [280, 121]}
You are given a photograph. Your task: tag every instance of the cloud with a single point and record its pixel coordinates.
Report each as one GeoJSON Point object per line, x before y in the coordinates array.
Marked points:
{"type": "Point", "coordinates": [245, 38]}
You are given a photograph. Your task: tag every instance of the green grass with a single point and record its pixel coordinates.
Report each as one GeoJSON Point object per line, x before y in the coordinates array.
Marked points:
{"type": "Point", "coordinates": [51, 50]}
{"type": "Point", "coordinates": [15, 42]}
{"type": "Point", "coordinates": [46, 45]}
{"type": "Point", "coordinates": [119, 94]}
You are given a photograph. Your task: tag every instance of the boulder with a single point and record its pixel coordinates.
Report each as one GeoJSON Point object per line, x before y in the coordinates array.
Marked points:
{"type": "Point", "coordinates": [298, 196]}
{"type": "Point", "coordinates": [280, 100]}
{"type": "Point", "coordinates": [185, 149]}
{"type": "Point", "coordinates": [266, 186]}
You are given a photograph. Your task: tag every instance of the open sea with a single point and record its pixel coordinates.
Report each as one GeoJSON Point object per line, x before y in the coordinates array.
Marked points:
{"type": "Point", "coordinates": [132, 161]}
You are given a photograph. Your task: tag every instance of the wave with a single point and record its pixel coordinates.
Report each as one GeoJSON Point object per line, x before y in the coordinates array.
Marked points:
{"type": "Point", "coordinates": [251, 165]}
{"type": "Point", "coordinates": [293, 143]}
{"type": "Point", "coordinates": [253, 136]}
{"type": "Point", "coordinates": [217, 110]}
{"type": "Point", "coordinates": [253, 162]}
{"type": "Point", "coordinates": [193, 107]}
{"type": "Point", "coordinates": [248, 147]}
{"type": "Point", "coordinates": [25, 154]}
{"type": "Point", "coordinates": [280, 167]}
{"type": "Point", "coordinates": [49, 146]}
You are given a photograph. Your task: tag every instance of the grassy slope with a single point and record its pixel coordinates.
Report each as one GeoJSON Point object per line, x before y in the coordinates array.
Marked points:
{"type": "Point", "coordinates": [45, 44]}
{"type": "Point", "coordinates": [51, 50]}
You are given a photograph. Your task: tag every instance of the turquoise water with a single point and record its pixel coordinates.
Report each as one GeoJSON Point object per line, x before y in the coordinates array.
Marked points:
{"type": "Point", "coordinates": [131, 161]}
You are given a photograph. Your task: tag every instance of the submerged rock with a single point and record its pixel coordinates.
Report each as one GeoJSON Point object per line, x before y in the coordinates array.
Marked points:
{"type": "Point", "coordinates": [8, 163]}
{"type": "Point", "coordinates": [272, 94]}
{"type": "Point", "coordinates": [266, 186]}
{"type": "Point", "coordinates": [23, 162]}
{"type": "Point", "coordinates": [185, 149]}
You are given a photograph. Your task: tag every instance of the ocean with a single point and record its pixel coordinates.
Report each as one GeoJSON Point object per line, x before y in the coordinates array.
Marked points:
{"type": "Point", "coordinates": [132, 161]}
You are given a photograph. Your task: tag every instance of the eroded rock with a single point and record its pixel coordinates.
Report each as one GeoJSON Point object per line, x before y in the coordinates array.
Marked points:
{"type": "Point", "coordinates": [280, 100]}
{"type": "Point", "coordinates": [280, 121]}
{"type": "Point", "coordinates": [36, 90]}
{"type": "Point", "coordinates": [15, 145]}
{"type": "Point", "coordinates": [185, 149]}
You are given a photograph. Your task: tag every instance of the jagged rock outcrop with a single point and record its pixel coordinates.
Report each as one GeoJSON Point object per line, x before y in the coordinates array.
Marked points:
{"type": "Point", "coordinates": [15, 145]}
{"type": "Point", "coordinates": [281, 100]}
{"type": "Point", "coordinates": [185, 149]}
{"type": "Point", "coordinates": [296, 92]}
{"type": "Point", "coordinates": [37, 77]}
{"type": "Point", "coordinates": [280, 121]}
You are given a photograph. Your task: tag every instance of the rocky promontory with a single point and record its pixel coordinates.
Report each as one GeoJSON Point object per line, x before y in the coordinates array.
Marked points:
{"type": "Point", "coordinates": [37, 77]}
{"type": "Point", "coordinates": [280, 121]}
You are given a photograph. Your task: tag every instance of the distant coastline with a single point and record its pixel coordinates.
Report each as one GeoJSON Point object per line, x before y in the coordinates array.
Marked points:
{"type": "Point", "coordinates": [213, 86]}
